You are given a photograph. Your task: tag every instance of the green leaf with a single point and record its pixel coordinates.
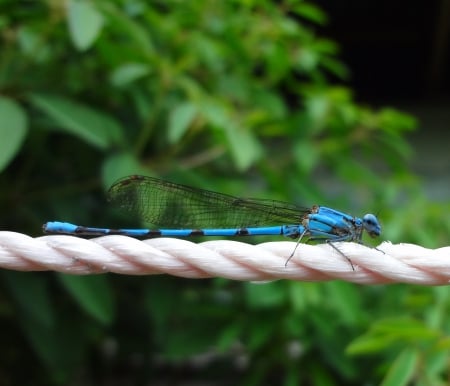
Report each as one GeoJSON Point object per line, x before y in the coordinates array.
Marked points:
{"type": "Point", "coordinates": [31, 294]}
{"type": "Point", "coordinates": [272, 104]}
{"type": "Point", "coordinates": [405, 328]}
{"type": "Point", "coordinates": [307, 59]}
{"type": "Point", "coordinates": [245, 148]}
{"type": "Point", "coordinates": [216, 113]}
{"type": "Point", "coordinates": [93, 294]}
{"type": "Point", "coordinates": [13, 128]}
{"type": "Point", "coordinates": [368, 344]}
{"type": "Point", "coordinates": [306, 156]}
{"type": "Point", "coordinates": [262, 332]}
{"type": "Point", "coordinates": [34, 45]}
{"type": "Point", "coordinates": [46, 344]}
{"type": "Point", "coordinates": [120, 165]}
{"type": "Point", "coordinates": [265, 295]}
{"type": "Point", "coordinates": [85, 23]}
{"type": "Point", "coordinates": [229, 336]}
{"type": "Point", "coordinates": [346, 300]}
{"type": "Point", "coordinates": [92, 126]}
{"type": "Point", "coordinates": [128, 73]}
{"type": "Point", "coordinates": [179, 120]}
{"type": "Point", "coordinates": [51, 343]}
{"type": "Point", "coordinates": [395, 121]}
{"type": "Point", "coordinates": [403, 369]}
{"type": "Point", "coordinates": [303, 296]}
{"type": "Point", "coordinates": [138, 34]}
{"type": "Point", "coordinates": [310, 12]}
{"type": "Point", "coordinates": [336, 67]}
{"type": "Point", "coordinates": [385, 332]}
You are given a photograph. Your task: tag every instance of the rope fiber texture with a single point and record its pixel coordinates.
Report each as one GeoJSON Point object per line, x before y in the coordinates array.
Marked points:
{"type": "Point", "coordinates": [389, 263]}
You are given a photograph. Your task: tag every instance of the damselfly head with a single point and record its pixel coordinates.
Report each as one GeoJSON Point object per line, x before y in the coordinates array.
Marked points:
{"type": "Point", "coordinates": [371, 225]}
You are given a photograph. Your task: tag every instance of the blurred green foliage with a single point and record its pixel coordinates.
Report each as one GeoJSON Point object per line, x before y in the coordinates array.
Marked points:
{"type": "Point", "coordinates": [236, 96]}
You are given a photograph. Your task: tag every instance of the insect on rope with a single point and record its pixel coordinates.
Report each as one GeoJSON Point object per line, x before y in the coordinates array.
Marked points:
{"type": "Point", "coordinates": [188, 211]}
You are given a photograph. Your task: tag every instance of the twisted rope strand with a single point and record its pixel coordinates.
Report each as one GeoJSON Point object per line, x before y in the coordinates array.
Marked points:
{"type": "Point", "coordinates": [389, 263]}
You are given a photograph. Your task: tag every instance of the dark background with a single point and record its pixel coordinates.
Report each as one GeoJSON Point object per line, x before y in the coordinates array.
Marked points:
{"type": "Point", "coordinates": [399, 53]}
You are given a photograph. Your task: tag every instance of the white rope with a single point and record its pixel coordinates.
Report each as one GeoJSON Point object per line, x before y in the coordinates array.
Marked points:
{"type": "Point", "coordinates": [400, 263]}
